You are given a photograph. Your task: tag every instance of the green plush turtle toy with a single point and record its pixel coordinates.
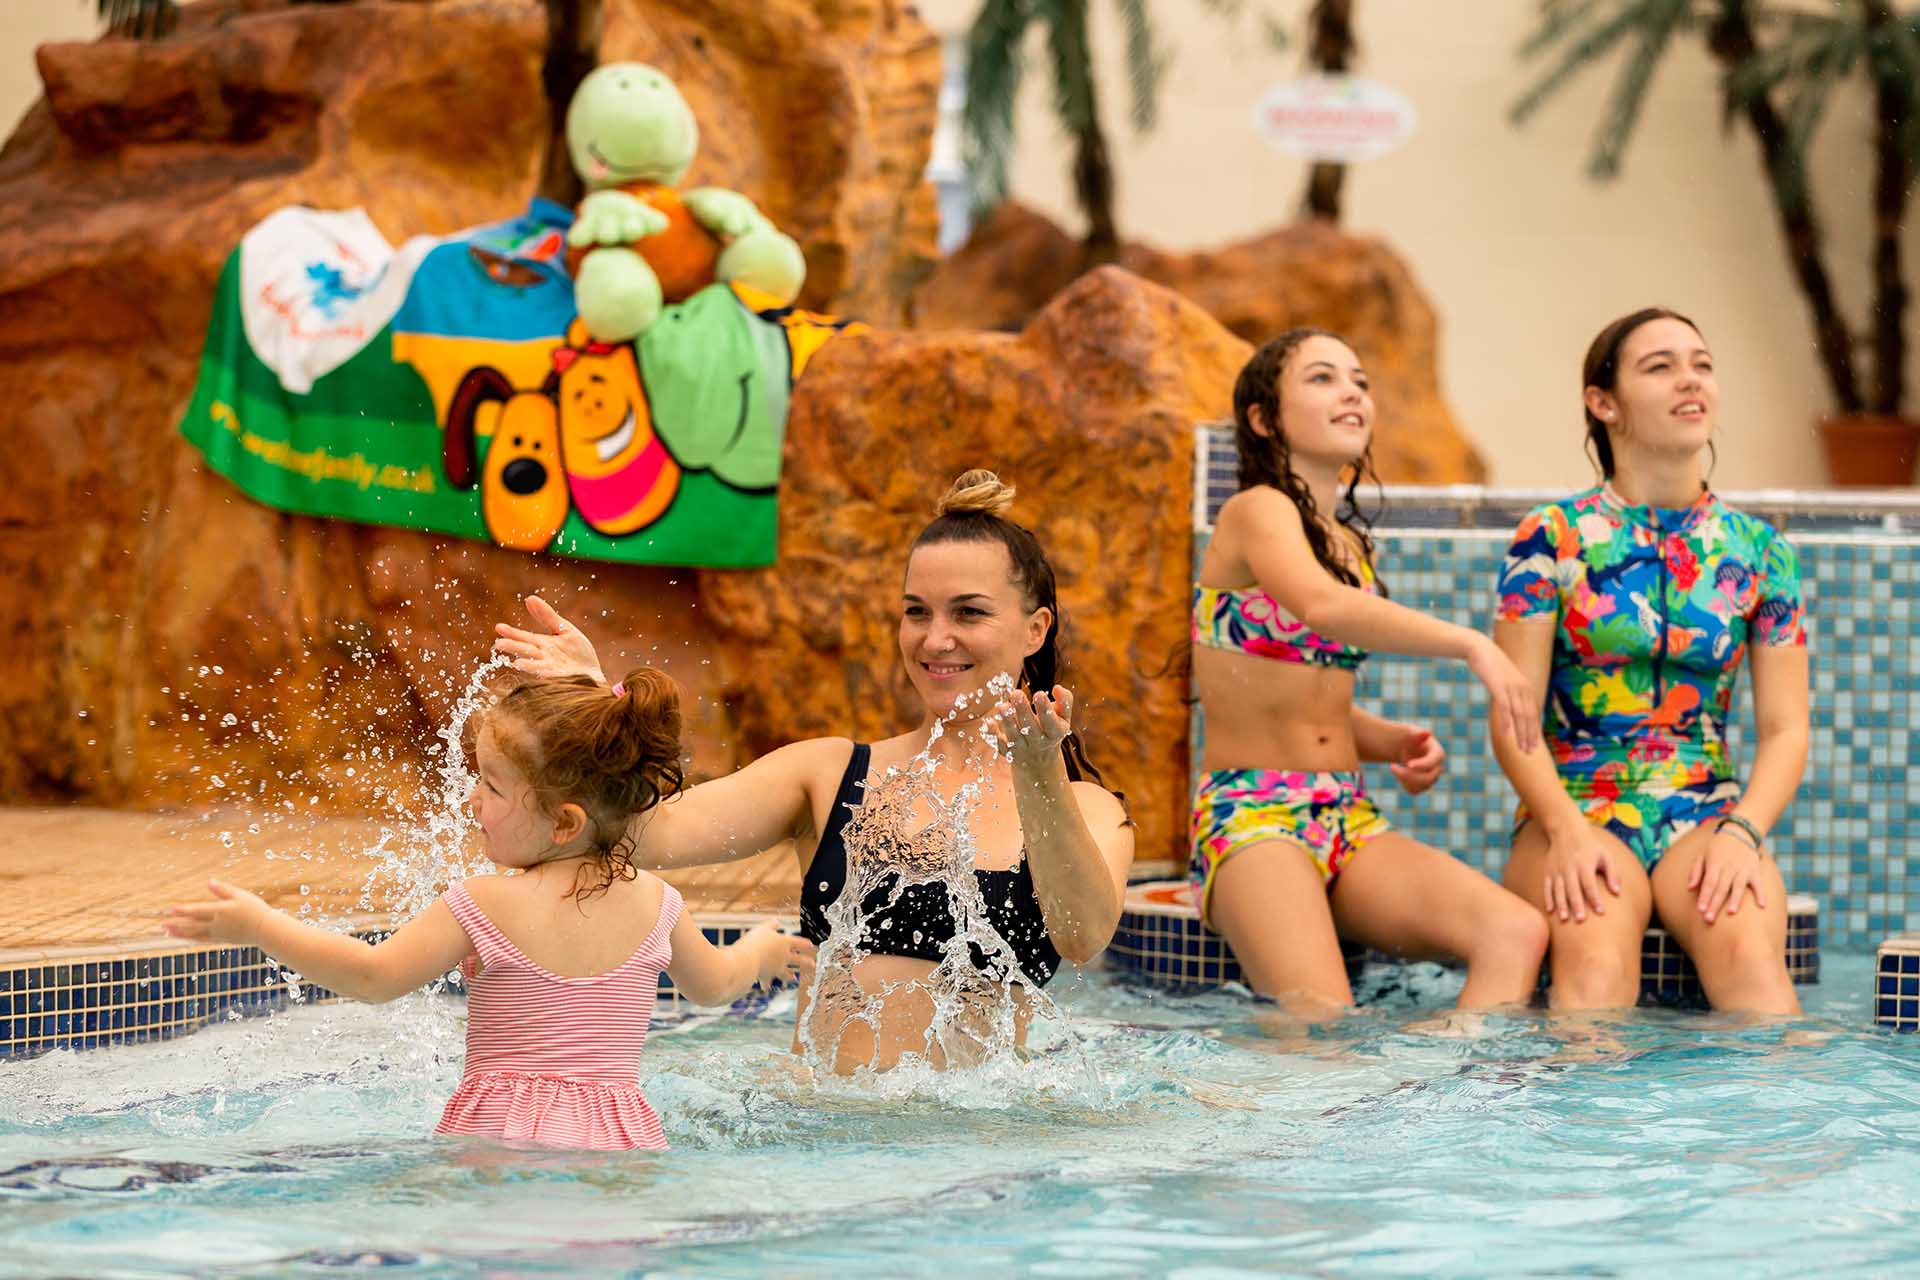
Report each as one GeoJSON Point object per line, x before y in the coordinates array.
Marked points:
{"type": "Point", "coordinates": [637, 244]}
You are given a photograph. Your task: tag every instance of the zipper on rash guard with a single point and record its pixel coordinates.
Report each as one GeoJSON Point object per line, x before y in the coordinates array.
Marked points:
{"type": "Point", "coordinates": [1660, 654]}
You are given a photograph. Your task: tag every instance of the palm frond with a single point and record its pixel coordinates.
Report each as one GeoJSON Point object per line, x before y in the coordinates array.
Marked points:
{"type": "Point", "coordinates": [1146, 64]}
{"type": "Point", "coordinates": [1585, 33]}
{"type": "Point", "coordinates": [1826, 67]}
{"type": "Point", "coordinates": [1896, 63]}
{"type": "Point", "coordinates": [1661, 19]}
{"type": "Point", "coordinates": [995, 68]}
{"type": "Point", "coordinates": [1072, 60]}
{"type": "Point", "coordinates": [1272, 30]}
{"type": "Point", "coordinates": [1275, 33]}
{"type": "Point", "coordinates": [1557, 18]}
{"type": "Point", "coordinates": [1810, 56]}
{"type": "Point", "coordinates": [1800, 41]}
{"type": "Point", "coordinates": [141, 19]}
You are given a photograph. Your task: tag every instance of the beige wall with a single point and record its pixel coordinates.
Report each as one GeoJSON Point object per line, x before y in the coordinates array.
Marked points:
{"type": "Point", "coordinates": [1523, 256]}
{"type": "Point", "coordinates": [23, 25]}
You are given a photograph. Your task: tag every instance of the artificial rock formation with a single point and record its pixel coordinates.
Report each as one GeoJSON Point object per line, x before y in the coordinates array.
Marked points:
{"type": "Point", "coordinates": [168, 642]}
{"type": "Point", "coordinates": [1310, 273]}
{"type": "Point", "coordinates": [130, 567]}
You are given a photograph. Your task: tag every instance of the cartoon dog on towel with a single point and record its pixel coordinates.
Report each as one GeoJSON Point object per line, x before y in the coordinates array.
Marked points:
{"type": "Point", "coordinates": [583, 442]}
{"type": "Point", "coordinates": [523, 495]}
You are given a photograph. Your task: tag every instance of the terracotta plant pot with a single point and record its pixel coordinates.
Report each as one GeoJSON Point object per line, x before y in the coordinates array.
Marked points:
{"type": "Point", "coordinates": [1869, 449]}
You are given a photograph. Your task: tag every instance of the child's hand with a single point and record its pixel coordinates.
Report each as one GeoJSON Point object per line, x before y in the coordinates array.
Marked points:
{"type": "Point", "coordinates": [785, 956]}
{"type": "Point", "coordinates": [1421, 760]}
{"type": "Point", "coordinates": [233, 916]}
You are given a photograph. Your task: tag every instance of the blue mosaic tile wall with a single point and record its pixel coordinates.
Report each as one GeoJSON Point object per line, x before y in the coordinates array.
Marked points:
{"type": "Point", "coordinates": [1846, 839]}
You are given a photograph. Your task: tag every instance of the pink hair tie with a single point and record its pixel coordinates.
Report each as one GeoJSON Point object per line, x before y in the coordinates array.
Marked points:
{"type": "Point", "coordinates": [620, 690]}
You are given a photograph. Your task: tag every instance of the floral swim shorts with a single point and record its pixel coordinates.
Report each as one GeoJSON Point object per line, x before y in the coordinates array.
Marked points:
{"type": "Point", "coordinates": [1328, 814]}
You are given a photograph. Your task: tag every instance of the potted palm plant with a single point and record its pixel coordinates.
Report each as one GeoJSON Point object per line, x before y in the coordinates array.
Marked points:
{"type": "Point", "coordinates": [1780, 65]}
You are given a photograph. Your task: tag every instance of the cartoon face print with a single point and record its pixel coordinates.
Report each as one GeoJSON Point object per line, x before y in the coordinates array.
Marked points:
{"type": "Point", "coordinates": [620, 474]}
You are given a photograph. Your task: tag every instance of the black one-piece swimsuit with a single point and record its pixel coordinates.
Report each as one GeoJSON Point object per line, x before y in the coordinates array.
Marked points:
{"type": "Point", "coordinates": [920, 923]}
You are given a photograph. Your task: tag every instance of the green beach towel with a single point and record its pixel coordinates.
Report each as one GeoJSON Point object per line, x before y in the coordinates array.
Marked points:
{"type": "Point", "coordinates": [447, 386]}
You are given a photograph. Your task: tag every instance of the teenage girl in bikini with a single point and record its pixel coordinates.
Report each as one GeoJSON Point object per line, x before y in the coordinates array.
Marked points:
{"type": "Point", "coordinates": [1289, 853]}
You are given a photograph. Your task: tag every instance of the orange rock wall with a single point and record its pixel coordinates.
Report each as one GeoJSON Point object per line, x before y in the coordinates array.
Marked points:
{"type": "Point", "coordinates": [1310, 273]}
{"type": "Point", "coordinates": [168, 642]}
{"type": "Point", "coordinates": [129, 568]}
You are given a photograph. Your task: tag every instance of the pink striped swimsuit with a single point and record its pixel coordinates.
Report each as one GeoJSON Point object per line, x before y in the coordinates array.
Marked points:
{"type": "Point", "coordinates": [556, 1060]}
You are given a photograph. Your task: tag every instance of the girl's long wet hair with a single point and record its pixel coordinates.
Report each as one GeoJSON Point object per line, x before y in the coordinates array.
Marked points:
{"type": "Point", "coordinates": [1601, 369]}
{"type": "Point", "coordinates": [1266, 459]}
{"type": "Point", "coordinates": [616, 755]}
{"type": "Point", "coordinates": [973, 510]}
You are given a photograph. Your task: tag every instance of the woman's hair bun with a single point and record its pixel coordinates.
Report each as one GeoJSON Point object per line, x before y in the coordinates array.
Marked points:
{"type": "Point", "coordinates": [976, 490]}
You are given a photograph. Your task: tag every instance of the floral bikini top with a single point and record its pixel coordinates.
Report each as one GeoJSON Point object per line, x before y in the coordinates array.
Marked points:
{"type": "Point", "coordinates": [1248, 620]}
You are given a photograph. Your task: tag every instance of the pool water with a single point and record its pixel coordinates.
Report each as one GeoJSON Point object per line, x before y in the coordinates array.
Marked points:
{"type": "Point", "coordinates": [1193, 1136]}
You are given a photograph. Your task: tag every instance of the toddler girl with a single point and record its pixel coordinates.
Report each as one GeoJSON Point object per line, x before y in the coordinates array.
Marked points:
{"type": "Point", "coordinates": [570, 950]}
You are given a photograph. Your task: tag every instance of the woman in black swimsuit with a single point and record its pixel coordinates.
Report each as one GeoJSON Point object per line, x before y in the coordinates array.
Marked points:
{"type": "Point", "coordinates": [1054, 844]}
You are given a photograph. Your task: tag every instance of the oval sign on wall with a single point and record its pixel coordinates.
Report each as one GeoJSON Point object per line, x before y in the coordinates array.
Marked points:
{"type": "Point", "coordinates": [1338, 119]}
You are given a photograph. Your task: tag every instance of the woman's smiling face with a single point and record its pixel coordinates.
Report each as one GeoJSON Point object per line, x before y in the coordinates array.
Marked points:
{"type": "Point", "coordinates": [963, 621]}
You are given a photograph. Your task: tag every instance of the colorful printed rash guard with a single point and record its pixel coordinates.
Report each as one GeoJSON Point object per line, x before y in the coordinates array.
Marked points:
{"type": "Point", "coordinates": [1653, 612]}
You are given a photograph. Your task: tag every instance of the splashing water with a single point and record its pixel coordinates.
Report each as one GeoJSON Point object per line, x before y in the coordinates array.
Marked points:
{"type": "Point", "coordinates": [906, 835]}
{"type": "Point", "coordinates": [980, 997]}
{"type": "Point", "coordinates": [433, 851]}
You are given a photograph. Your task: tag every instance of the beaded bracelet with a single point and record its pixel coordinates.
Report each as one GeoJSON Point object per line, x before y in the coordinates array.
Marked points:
{"type": "Point", "coordinates": [1753, 833]}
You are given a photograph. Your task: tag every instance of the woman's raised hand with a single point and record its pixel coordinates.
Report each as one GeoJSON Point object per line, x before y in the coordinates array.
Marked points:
{"type": "Point", "coordinates": [1030, 730]}
{"type": "Point", "coordinates": [554, 648]}
{"type": "Point", "coordinates": [1516, 714]}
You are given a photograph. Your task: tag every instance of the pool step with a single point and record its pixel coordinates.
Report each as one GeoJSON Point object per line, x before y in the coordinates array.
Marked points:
{"type": "Point", "coordinates": [1161, 939]}
{"type": "Point", "coordinates": [1896, 983]}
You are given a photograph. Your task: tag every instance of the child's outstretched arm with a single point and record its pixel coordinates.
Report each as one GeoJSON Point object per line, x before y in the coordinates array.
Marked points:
{"type": "Point", "coordinates": [420, 950]}
{"type": "Point", "coordinates": [707, 974]}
